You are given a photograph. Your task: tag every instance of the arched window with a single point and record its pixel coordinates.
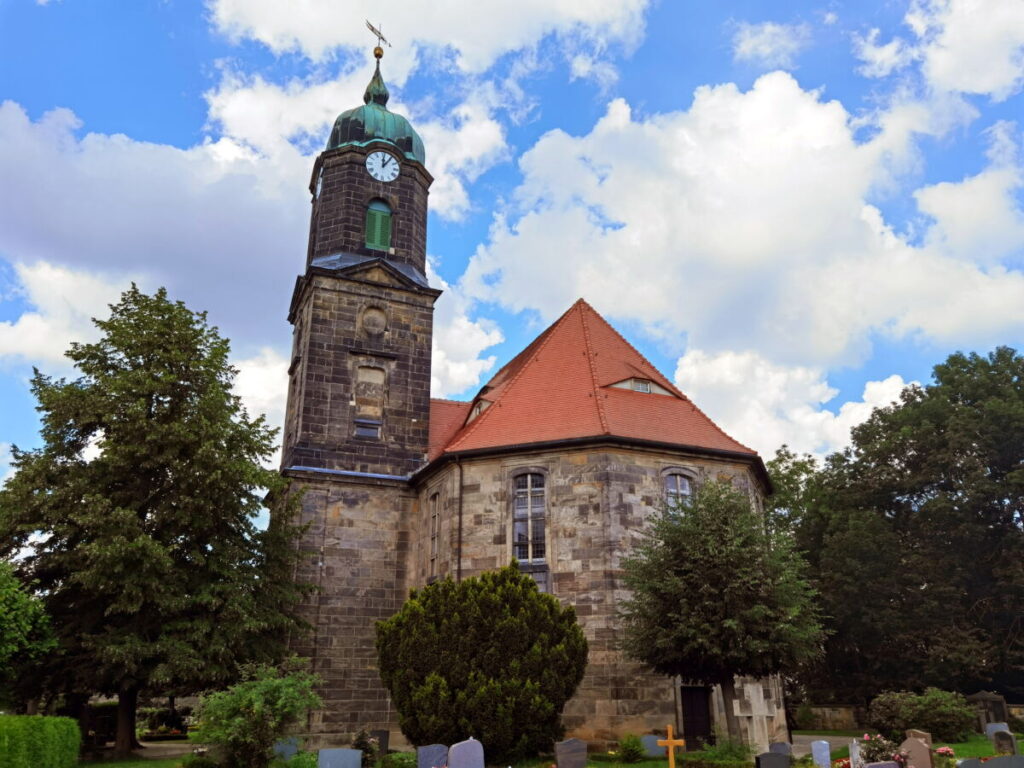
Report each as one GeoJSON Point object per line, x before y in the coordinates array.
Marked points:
{"type": "Point", "coordinates": [378, 225]}
{"type": "Point", "coordinates": [677, 488]}
{"type": "Point", "coordinates": [435, 527]}
{"type": "Point", "coordinates": [528, 512]}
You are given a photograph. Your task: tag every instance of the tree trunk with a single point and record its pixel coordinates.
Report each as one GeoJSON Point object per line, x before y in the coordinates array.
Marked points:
{"type": "Point", "coordinates": [732, 725]}
{"type": "Point", "coordinates": [127, 700]}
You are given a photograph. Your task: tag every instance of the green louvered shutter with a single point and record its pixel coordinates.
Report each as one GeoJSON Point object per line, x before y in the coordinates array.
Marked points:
{"type": "Point", "coordinates": [378, 226]}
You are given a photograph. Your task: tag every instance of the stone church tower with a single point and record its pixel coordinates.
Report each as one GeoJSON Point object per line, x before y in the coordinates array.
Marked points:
{"type": "Point", "coordinates": [558, 462]}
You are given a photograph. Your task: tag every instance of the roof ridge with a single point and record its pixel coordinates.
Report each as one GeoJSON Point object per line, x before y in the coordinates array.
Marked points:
{"type": "Point", "coordinates": [589, 352]}
{"type": "Point", "coordinates": [544, 338]}
{"type": "Point", "coordinates": [624, 340]}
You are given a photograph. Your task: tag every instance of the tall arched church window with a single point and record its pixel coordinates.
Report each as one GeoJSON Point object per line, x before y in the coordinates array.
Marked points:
{"type": "Point", "coordinates": [677, 488]}
{"type": "Point", "coordinates": [378, 225]}
{"type": "Point", "coordinates": [435, 525]}
{"type": "Point", "coordinates": [528, 513]}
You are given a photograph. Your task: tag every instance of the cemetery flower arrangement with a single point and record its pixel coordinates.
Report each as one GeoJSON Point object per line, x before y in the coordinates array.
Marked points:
{"type": "Point", "coordinates": [944, 757]}
{"type": "Point", "coordinates": [878, 749]}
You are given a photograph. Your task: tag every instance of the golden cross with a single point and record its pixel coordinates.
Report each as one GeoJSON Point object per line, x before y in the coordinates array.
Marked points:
{"type": "Point", "coordinates": [671, 744]}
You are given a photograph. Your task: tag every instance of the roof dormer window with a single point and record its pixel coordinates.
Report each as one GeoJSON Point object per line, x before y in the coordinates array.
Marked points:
{"type": "Point", "coordinates": [642, 385]}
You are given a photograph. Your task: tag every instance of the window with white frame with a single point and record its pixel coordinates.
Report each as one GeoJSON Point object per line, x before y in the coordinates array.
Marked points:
{"type": "Point", "coordinates": [678, 488]}
{"type": "Point", "coordinates": [528, 517]}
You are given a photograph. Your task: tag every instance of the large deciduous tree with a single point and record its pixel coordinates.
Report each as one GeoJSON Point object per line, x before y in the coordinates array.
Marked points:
{"type": "Point", "coordinates": [716, 593]}
{"type": "Point", "coordinates": [489, 656]}
{"type": "Point", "coordinates": [138, 514]}
{"type": "Point", "coordinates": [916, 536]}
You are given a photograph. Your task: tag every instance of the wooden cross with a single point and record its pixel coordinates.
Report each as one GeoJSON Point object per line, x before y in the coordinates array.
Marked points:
{"type": "Point", "coordinates": [671, 744]}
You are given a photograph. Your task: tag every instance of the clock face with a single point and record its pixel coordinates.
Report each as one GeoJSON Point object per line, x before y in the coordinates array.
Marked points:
{"type": "Point", "coordinates": [382, 166]}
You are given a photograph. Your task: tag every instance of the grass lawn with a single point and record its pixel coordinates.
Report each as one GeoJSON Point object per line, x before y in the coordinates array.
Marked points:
{"type": "Point", "coordinates": [137, 762]}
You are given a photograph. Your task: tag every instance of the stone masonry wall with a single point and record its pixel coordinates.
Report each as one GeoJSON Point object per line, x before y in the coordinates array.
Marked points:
{"type": "Point", "coordinates": [356, 545]}
{"type": "Point", "coordinates": [597, 502]}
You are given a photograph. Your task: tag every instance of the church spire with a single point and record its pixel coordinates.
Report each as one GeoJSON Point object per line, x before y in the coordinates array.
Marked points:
{"type": "Point", "coordinates": [376, 91]}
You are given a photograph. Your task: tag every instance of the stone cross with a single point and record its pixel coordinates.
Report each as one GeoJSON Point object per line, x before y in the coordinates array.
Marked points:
{"type": "Point", "coordinates": [671, 744]}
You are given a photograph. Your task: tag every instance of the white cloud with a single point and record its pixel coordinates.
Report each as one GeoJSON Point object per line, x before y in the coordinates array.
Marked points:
{"type": "Point", "coordinates": [64, 302]}
{"type": "Point", "coordinates": [459, 342]}
{"type": "Point", "coordinates": [770, 44]}
{"type": "Point", "coordinates": [477, 33]}
{"type": "Point", "coordinates": [583, 66]}
{"type": "Point", "coordinates": [744, 223]}
{"type": "Point", "coordinates": [882, 60]}
{"type": "Point", "coordinates": [971, 46]}
{"type": "Point", "coordinates": [262, 384]}
{"type": "Point", "coordinates": [765, 405]}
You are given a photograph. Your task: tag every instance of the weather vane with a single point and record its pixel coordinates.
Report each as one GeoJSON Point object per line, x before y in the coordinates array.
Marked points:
{"type": "Point", "coordinates": [378, 51]}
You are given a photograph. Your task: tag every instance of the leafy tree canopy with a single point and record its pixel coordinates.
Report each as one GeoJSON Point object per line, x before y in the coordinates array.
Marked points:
{"type": "Point", "coordinates": [138, 512]}
{"type": "Point", "coordinates": [717, 593]}
{"type": "Point", "coordinates": [25, 633]}
{"type": "Point", "coordinates": [490, 657]}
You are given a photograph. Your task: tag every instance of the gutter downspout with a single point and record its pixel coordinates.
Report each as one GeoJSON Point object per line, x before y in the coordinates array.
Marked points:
{"type": "Point", "coordinates": [458, 562]}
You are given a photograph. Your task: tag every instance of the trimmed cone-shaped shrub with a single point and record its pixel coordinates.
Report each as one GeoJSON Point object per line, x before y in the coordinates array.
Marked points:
{"type": "Point", "coordinates": [490, 657]}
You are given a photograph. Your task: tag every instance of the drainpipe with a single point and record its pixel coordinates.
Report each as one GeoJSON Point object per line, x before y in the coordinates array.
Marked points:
{"type": "Point", "coordinates": [458, 562]}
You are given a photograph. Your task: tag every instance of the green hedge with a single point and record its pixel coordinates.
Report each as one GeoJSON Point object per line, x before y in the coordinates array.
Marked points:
{"type": "Point", "coordinates": [34, 741]}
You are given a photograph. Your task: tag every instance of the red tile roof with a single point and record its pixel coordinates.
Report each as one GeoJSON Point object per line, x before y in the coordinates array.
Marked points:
{"type": "Point", "coordinates": [559, 388]}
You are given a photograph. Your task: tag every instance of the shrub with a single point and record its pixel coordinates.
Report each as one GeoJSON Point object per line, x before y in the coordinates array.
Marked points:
{"type": "Point", "coordinates": [945, 715]}
{"type": "Point", "coordinates": [248, 718]}
{"type": "Point", "coordinates": [34, 741]}
{"type": "Point", "coordinates": [199, 761]}
{"type": "Point", "coordinates": [369, 747]}
{"type": "Point", "coordinates": [631, 749]}
{"type": "Point", "coordinates": [399, 760]}
{"type": "Point", "coordinates": [726, 750]}
{"type": "Point", "coordinates": [490, 656]}
{"type": "Point", "coordinates": [804, 717]}
{"type": "Point", "coordinates": [303, 760]}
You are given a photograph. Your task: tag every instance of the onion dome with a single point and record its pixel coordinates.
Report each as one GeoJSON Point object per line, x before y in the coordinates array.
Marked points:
{"type": "Point", "coordinates": [373, 121]}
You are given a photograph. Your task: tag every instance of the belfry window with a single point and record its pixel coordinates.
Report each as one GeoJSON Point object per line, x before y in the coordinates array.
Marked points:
{"type": "Point", "coordinates": [677, 489]}
{"type": "Point", "coordinates": [369, 401]}
{"type": "Point", "coordinates": [378, 225]}
{"type": "Point", "coordinates": [528, 514]}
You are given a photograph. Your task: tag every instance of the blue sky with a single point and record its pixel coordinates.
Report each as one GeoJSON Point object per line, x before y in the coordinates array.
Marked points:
{"type": "Point", "coordinates": [793, 209]}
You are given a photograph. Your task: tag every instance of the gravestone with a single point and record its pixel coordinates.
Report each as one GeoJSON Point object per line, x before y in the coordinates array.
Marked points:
{"type": "Point", "coordinates": [781, 748]}
{"type": "Point", "coordinates": [466, 754]}
{"type": "Point", "coordinates": [919, 755]}
{"type": "Point", "coordinates": [285, 748]}
{"type": "Point", "coordinates": [821, 753]}
{"type": "Point", "coordinates": [771, 760]}
{"type": "Point", "coordinates": [432, 756]}
{"type": "Point", "coordinates": [1005, 761]}
{"type": "Point", "coordinates": [886, 764]}
{"type": "Point", "coordinates": [383, 738]}
{"type": "Point", "coordinates": [340, 758]}
{"type": "Point", "coordinates": [1004, 743]}
{"type": "Point", "coordinates": [855, 761]}
{"type": "Point", "coordinates": [651, 748]}
{"type": "Point", "coordinates": [970, 762]}
{"type": "Point", "coordinates": [922, 735]}
{"type": "Point", "coordinates": [991, 728]}
{"type": "Point", "coordinates": [571, 753]}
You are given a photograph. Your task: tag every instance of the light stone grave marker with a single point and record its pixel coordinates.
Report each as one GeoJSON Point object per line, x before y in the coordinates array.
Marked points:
{"type": "Point", "coordinates": [432, 756]}
{"type": "Point", "coordinates": [821, 753]}
{"type": "Point", "coordinates": [991, 728]}
{"type": "Point", "coordinates": [651, 748]}
{"type": "Point", "coordinates": [340, 758]}
{"type": "Point", "coordinates": [466, 754]}
{"type": "Point", "coordinates": [571, 753]}
{"type": "Point", "coordinates": [1004, 743]}
{"type": "Point", "coordinates": [285, 748]}
{"type": "Point", "coordinates": [919, 755]}
{"type": "Point", "coordinates": [855, 761]}
{"type": "Point", "coordinates": [922, 735]}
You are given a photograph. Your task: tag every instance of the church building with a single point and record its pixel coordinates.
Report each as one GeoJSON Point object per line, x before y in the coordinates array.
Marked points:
{"type": "Point", "coordinates": [558, 461]}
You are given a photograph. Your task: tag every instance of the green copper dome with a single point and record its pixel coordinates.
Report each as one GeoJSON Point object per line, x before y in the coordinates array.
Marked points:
{"type": "Point", "coordinates": [373, 121]}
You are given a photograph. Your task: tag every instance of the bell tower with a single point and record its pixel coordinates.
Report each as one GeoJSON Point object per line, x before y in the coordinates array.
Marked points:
{"type": "Point", "coordinates": [357, 419]}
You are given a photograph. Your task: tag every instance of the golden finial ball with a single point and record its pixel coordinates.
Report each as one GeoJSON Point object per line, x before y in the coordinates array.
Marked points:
{"type": "Point", "coordinates": [378, 52]}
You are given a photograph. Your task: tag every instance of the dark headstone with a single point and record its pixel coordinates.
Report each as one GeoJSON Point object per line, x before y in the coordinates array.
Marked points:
{"type": "Point", "coordinates": [383, 738]}
{"type": "Point", "coordinates": [1004, 743]}
{"type": "Point", "coordinates": [571, 753]}
{"type": "Point", "coordinates": [781, 748]}
{"type": "Point", "coordinates": [991, 728]}
{"type": "Point", "coordinates": [432, 756]}
{"type": "Point", "coordinates": [970, 762]}
{"type": "Point", "coordinates": [1006, 761]}
{"type": "Point", "coordinates": [919, 754]}
{"type": "Point", "coordinates": [651, 748]}
{"type": "Point", "coordinates": [821, 752]}
{"type": "Point", "coordinates": [285, 748]}
{"type": "Point", "coordinates": [466, 754]}
{"type": "Point", "coordinates": [924, 736]}
{"type": "Point", "coordinates": [340, 758]}
{"type": "Point", "coordinates": [771, 760]}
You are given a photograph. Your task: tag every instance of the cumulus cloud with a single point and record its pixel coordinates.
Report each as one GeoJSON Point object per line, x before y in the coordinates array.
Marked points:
{"type": "Point", "coordinates": [477, 33]}
{"type": "Point", "coordinates": [63, 302]}
{"type": "Point", "coordinates": [765, 405]}
{"type": "Point", "coordinates": [882, 60]}
{"type": "Point", "coordinates": [459, 342]}
{"type": "Point", "coordinates": [262, 384]}
{"type": "Point", "coordinates": [744, 222]}
{"type": "Point", "coordinates": [770, 44]}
